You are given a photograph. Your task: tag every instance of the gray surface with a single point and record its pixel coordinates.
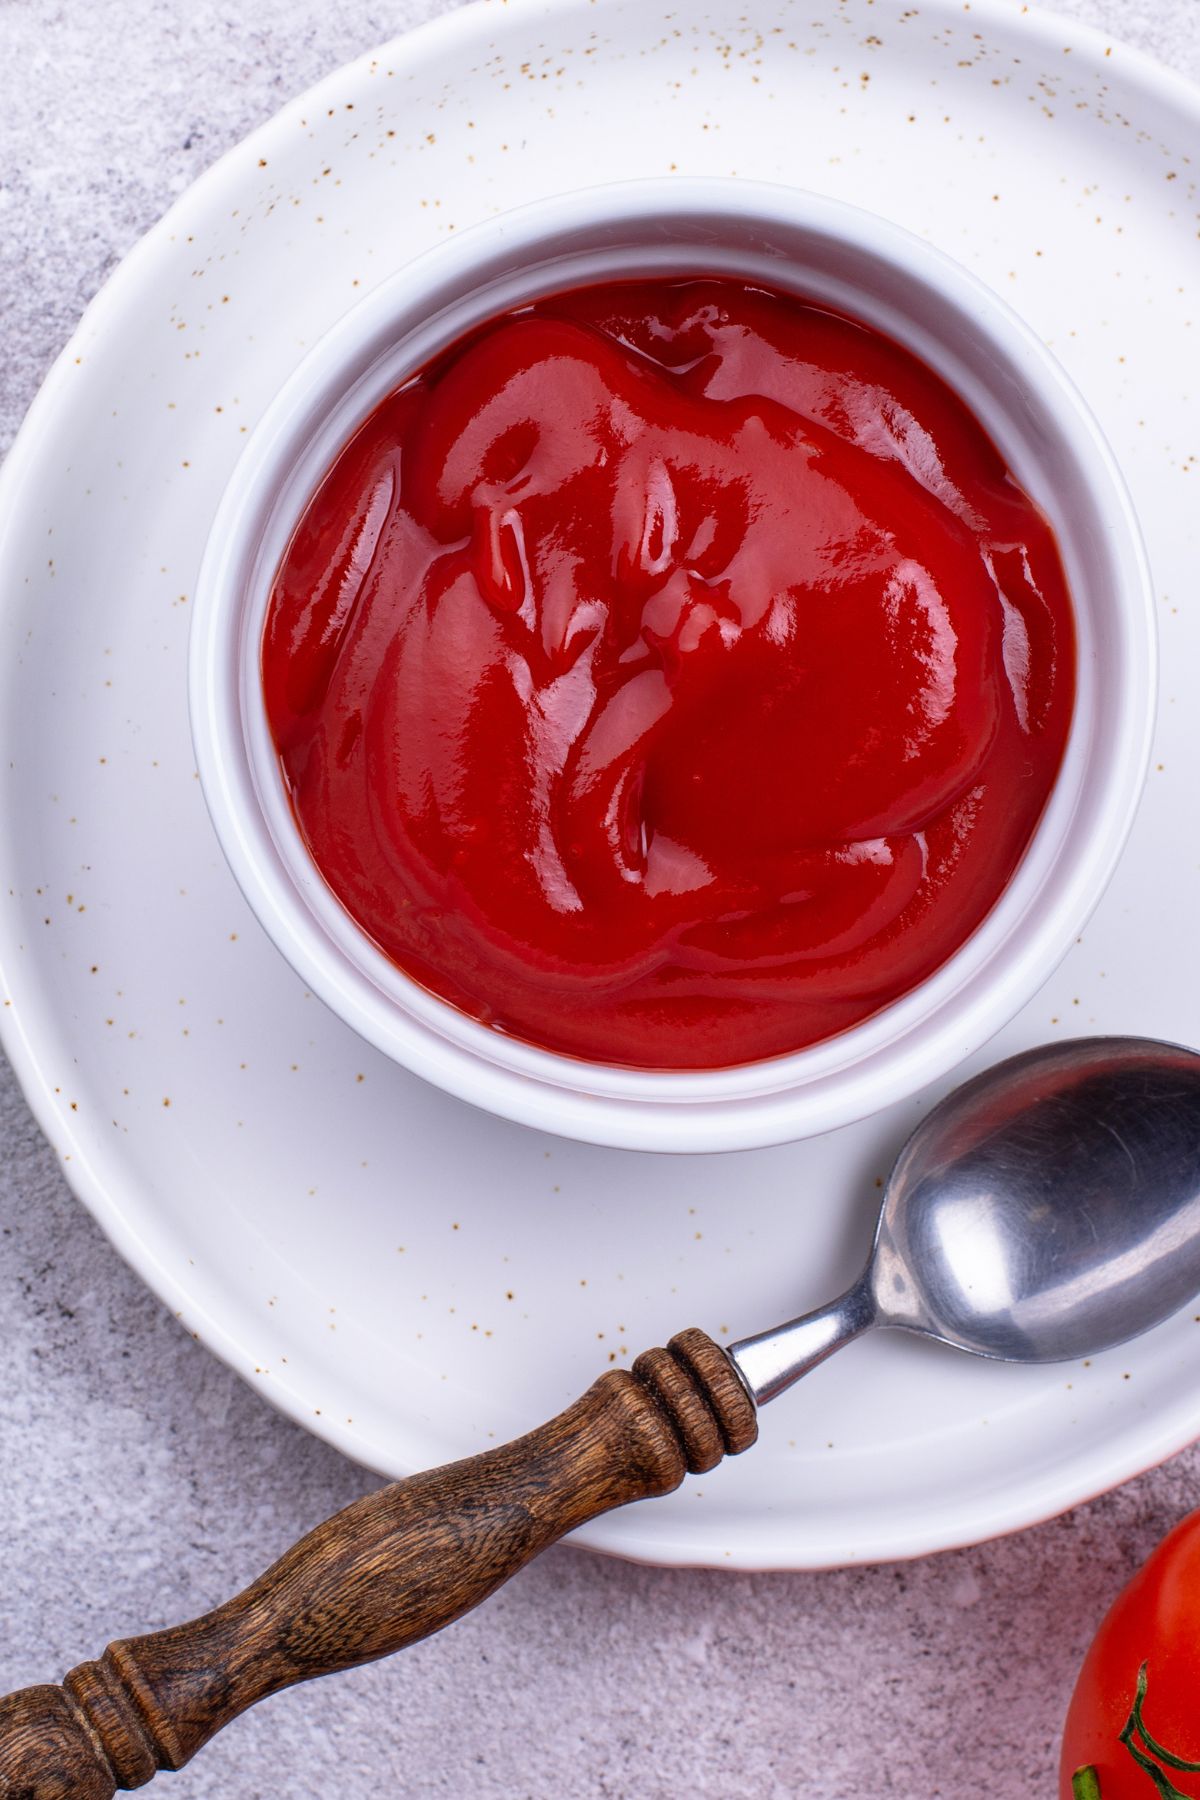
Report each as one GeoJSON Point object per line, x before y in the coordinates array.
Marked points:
{"type": "Point", "coordinates": [140, 1481]}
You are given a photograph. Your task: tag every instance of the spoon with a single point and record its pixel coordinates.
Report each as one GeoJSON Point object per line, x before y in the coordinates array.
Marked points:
{"type": "Point", "coordinates": [1047, 1210]}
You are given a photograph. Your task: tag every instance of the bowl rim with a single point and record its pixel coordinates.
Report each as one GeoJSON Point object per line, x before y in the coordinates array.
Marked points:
{"type": "Point", "coordinates": [884, 1058]}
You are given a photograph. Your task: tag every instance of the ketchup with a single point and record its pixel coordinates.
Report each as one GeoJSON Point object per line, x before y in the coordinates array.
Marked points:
{"type": "Point", "coordinates": [672, 674]}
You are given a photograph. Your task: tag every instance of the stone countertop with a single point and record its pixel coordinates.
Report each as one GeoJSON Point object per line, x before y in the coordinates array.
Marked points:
{"type": "Point", "coordinates": [140, 1481]}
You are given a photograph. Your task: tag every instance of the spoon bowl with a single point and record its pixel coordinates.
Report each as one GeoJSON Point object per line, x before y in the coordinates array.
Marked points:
{"type": "Point", "coordinates": [1046, 1210]}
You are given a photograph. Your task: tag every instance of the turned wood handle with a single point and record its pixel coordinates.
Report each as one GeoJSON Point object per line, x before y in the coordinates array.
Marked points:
{"type": "Point", "coordinates": [387, 1570]}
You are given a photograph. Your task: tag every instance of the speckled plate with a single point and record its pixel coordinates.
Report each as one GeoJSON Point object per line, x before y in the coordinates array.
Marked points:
{"type": "Point", "coordinates": [406, 1276]}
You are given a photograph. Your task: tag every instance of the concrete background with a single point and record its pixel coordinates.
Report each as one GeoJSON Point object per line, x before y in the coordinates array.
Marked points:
{"type": "Point", "coordinates": [585, 1677]}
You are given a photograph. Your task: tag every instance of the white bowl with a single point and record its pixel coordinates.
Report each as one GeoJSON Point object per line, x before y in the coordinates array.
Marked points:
{"type": "Point", "coordinates": [823, 251]}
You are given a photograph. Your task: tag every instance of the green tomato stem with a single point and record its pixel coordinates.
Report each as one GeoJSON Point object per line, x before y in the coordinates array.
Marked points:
{"type": "Point", "coordinates": [1137, 1722]}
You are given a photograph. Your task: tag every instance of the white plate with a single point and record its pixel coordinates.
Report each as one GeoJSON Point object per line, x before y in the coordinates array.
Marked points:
{"type": "Point", "coordinates": [404, 1275]}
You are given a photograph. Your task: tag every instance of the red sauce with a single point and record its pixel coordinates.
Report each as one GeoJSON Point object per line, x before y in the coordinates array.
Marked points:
{"type": "Point", "coordinates": [672, 674]}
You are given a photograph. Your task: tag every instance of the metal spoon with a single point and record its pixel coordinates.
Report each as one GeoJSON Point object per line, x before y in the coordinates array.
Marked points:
{"type": "Point", "coordinates": [1047, 1210]}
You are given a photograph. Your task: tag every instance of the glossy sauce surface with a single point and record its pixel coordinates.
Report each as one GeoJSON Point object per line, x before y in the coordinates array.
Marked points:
{"type": "Point", "coordinates": [671, 675]}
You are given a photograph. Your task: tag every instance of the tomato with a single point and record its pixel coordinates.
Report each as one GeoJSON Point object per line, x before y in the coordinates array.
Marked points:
{"type": "Point", "coordinates": [1133, 1725]}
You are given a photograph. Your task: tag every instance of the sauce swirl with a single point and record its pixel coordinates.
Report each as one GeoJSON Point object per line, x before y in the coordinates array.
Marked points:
{"type": "Point", "coordinates": [670, 675]}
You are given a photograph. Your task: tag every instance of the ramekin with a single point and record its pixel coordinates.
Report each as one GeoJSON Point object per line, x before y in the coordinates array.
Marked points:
{"type": "Point", "coordinates": [824, 251]}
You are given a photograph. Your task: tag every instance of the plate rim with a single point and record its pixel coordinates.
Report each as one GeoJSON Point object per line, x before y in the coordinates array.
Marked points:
{"type": "Point", "coordinates": [1048, 1499]}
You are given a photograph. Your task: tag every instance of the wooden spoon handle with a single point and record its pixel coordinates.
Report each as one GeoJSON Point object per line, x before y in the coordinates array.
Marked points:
{"type": "Point", "coordinates": [387, 1570]}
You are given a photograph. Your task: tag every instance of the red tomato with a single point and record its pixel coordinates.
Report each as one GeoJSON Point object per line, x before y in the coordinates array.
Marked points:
{"type": "Point", "coordinates": [1133, 1725]}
